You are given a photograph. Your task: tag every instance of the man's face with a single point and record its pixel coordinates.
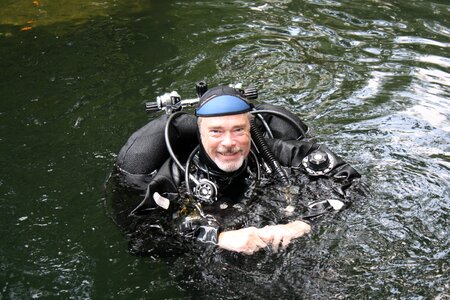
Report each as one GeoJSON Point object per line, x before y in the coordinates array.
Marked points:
{"type": "Point", "coordinates": [226, 140]}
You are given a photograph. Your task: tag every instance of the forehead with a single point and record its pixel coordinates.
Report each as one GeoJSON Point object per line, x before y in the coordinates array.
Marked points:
{"type": "Point", "coordinates": [225, 121]}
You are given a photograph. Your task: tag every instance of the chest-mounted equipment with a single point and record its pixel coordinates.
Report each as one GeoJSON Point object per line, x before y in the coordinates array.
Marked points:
{"type": "Point", "coordinates": [205, 190]}
{"type": "Point", "coordinates": [318, 163]}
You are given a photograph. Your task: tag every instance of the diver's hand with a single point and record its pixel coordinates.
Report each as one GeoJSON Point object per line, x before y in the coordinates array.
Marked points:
{"type": "Point", "coordinates": [275, 235]}
{"type": "Point", "coordinates": [244, 240]}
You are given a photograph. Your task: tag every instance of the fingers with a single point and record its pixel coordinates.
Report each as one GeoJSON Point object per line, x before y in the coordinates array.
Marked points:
{"type": "Point", "coordinates": [250, 240]}
{"type": "Point", "coordinates": [248, 252]}
{"type": "Point", "coordinates": [255, 240]}
{"type": "Point", "coordinates": [275, 235]}
{"type": "Point", "coordinates": [260, 243]}
{"type": "Point", "coordinates": [282, 235]}
{"type": "Point", "coordinates": [285, 242]}
{"type": "Point", "coordinates": [301, 228]}
{"type": "Point", "coordinates": [271, 235]}
{"type": "Point", "coordinates": [257, 245]}
{"type": "Point", "coordinates": [279, 236]}
{"type": "Point", "coordinates": [244, 240]}
{"type": "Point", "coordinates": [266, 234]}
{"type": "Point", "coordinates": [307, 228]}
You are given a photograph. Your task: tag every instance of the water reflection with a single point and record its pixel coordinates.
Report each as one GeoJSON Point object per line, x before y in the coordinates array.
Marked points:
{"type": "Point", "coordinates": [37, 13]}
{"type": "Point", "coordinates": [371, 78]}
{"type": "Point", "coordinates": [430, 89]}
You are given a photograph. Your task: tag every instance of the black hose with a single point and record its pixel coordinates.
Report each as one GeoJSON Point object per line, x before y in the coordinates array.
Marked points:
{"type": "Point", "coordinates": [166, 136]}
{"type": "Point", "coordinates": [186, 173]}
{"type": "Point", "coordinates": [267, 154]}
{"type": "Point", "coordinates": [283, 116]}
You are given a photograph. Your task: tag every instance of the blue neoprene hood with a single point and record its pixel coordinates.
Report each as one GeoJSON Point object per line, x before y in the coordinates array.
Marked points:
{"type": "Point", "coordinates": [222, 101]}
{"type": "Point", "coordinates": [222, 106]}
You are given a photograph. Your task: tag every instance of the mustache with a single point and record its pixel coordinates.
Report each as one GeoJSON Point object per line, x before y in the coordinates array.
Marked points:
{"type": "Point", "coordinates": [229, 150]}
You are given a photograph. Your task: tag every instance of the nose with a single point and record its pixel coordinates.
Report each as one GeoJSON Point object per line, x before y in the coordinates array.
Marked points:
{"type": "Point", "coordinates": [228, 140]}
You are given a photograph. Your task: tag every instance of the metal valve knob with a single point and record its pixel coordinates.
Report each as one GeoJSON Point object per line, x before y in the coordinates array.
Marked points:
{"type": "Point", "coordinates": [318, 160]}
{"type": "Point", "coordinates": [318, 163]}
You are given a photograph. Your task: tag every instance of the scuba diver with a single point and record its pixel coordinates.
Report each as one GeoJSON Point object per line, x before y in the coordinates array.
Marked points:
{"type": "Point", "coordinates": [197, 173]}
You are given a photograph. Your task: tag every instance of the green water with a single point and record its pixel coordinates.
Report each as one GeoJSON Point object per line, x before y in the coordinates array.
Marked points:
{"type": "Point", "coordinates": [371, 77]}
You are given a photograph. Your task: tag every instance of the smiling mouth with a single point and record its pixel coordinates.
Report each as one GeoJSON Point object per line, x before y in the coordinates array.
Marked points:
{"type": "Point", "coordinates": [230, 155]}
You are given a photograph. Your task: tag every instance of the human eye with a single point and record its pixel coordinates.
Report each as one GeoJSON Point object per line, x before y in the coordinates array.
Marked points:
{"type": "Point", "coordinates": [239, 130]}
{"type": "Point", "coordinates": [215, 132]}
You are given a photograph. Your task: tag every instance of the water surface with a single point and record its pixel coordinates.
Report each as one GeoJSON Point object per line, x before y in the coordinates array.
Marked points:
{"type": "Point", "coordinates": [370, 77]}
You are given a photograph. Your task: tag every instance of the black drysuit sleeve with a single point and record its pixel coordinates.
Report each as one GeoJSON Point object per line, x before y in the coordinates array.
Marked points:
{"type": "Point", "coordinates": [292, 152]}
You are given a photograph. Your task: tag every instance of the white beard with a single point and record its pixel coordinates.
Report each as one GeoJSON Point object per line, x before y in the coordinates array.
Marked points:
{"type": "Point", "coordinates": [229, 166]}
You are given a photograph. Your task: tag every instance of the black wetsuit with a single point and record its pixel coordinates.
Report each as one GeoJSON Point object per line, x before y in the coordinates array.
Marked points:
{"type": "Point", "coordinates": [226, 212]}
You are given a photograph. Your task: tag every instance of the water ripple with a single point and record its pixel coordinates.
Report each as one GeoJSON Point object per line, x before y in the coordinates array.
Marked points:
{"type": "Point", "coordinates": [371, 77]}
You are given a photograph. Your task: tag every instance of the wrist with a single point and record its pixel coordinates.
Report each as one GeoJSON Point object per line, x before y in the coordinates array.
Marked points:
{"type": "Point", "coordinates": [219, 237]}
